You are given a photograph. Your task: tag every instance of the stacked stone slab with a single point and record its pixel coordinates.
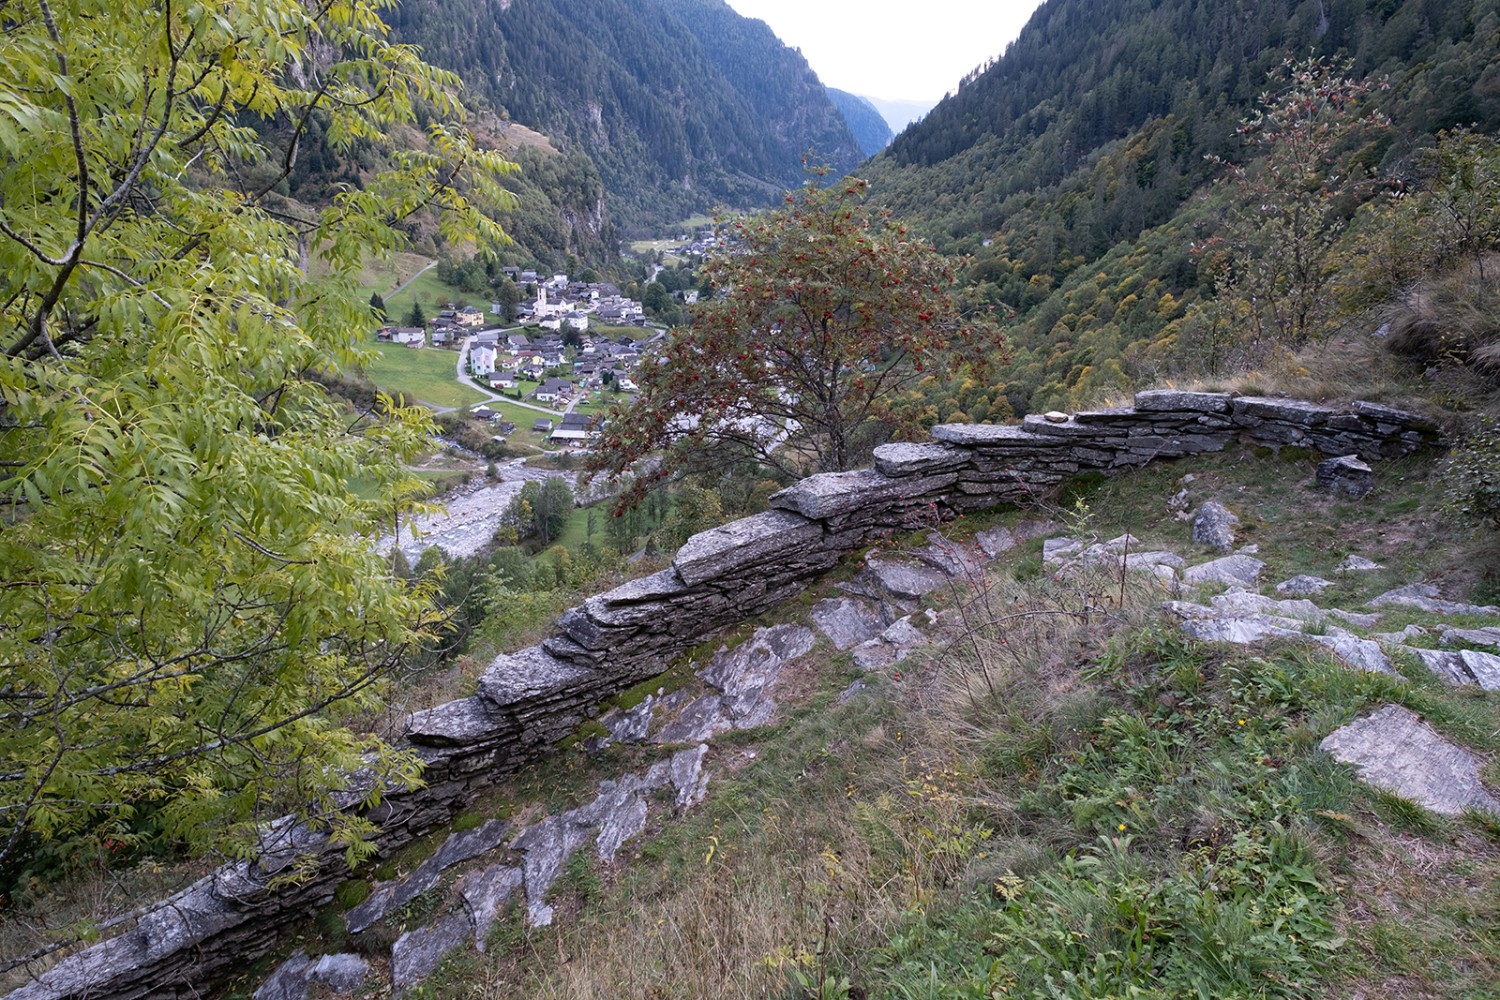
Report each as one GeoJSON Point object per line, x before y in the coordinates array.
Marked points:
{"type": "Point", "coordinates": [529, 700]}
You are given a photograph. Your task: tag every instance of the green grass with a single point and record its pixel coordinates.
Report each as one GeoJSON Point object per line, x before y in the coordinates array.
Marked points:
{"type": "Point", "coordinates": [434, 295]}
{"type": "Point", "coordinates": [426, 374]}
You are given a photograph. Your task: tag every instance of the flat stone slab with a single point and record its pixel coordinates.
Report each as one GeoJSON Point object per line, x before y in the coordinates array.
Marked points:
{"type": "Point", "coordinates": [339, 974]}
{"type": "Point", "coordinates": [457, 848]}
{"type": "Point", "coordinates": [1235, 569]}
{"type": "Point", "coordinates": [719, 551]}
{"type": "Point", "coordinates": [417, 953]}
{"type": "Point", "coordinates": [1301, 586]}
{"type": "Point", "coordinates": [1346, 475]}
{"type": "Point", "coordinates": [1424, 596]}
{"type": "Point", "coordinates": [994, 542]}
{"type": "Point", "coordinates": [1357, 564]}
{"type": "Point", "coordinates": [1463, 667]}
{"type": "Point", "coordinates": [744, 674]}
{"type": "Point", "coordinates": [526, 674]}
{"type": "Point", "coordinates": [954, 559]}
{"type": "Point", "coordinates": [904, 579]}
{"type": "Point", "coordinates": [836, 494]}
{"type": "Point", "coordinates": [905, 459]}
{"type": "Point", "coordinates": [1394, 750]}
{"type": "Point", "coordinates": [846, 622]}
{"type": "Point", "coordinates": [1173, 400]}
{"type": "Point", "coordinates": [1487, 636]}
{"type": "Point", "coordinates": [484, 892]}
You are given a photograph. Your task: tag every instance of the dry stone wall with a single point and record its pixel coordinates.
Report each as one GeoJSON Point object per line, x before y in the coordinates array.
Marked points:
{"type": "Point", "coordinates": [529, 700]}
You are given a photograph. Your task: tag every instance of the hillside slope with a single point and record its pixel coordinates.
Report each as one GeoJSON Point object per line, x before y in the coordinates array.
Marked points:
{"type": "Point", "coordinates": [1073, 167]}
{"type": "Point", "coordinates": [674, 123]}
{"type": "Point", "coordinates": [870, 129]}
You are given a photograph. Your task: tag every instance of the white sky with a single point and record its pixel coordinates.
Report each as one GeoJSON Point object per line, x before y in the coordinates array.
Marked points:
{"type": "Point", "coordinates": [893, 50]}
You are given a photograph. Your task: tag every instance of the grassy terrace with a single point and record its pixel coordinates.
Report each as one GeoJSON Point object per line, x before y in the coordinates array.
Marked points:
{"type": "Point", "coordinates": [425, 374]}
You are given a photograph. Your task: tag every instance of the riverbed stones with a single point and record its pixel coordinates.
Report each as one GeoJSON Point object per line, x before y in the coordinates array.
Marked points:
{"type": "Point", "coordinates": [1394, 750]}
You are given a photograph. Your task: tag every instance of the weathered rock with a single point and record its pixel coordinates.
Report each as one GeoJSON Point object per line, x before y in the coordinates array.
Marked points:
{"type": "Point", "coordinates": [1463, 667]}
{"type": "Point", "coordinates": [1398, 638]}
{"type": "Point", "coordinates": [1239, 603]}
{"type": "Point", "coordinates": [846, 622]}
{"type": "Point", "coordinates": [417, 953]}
{"type": "Point", "coordinates": [290, 980]}
{"type": "Point", "coordinates": [852, 691]}
{"type": "Point", "coordinates": [1362, 654]}
{"type": "Point", "coordinates": [745, 673]}
{"type": "Point", "coordinates": [995, 541]}
{"type": "Point", "coordinates": [1300, 586]}
{"type": "Point", "coordinates": [630, 725]}
{"type": "Point", "coordinates": [1346, 475]}
{"type": "Point", "coordinates": [341, 973]}
{"type": "Point", "coordinates": [700, 720]}
{"type": "Point", "coordinates": [1235, 569]}
{"type": "Point", "coordinates": [688, 777]}
{"type": "Point", "coordinates": [1213, 526]}
{"type": "Point", "coordinates": [1487, 636]}
{"type": "Point", "coordinates": [397, 893]}
{"type": "Point", "coordinates": [841, 494]}
{"type": "Point", "coordinates": [547, 846]}
{"type": "Point", "coordinates": [463, 722]}
{"type": "Point", "coordinates": [527, 675]}
{"type": "Point", "coordinates": [1170, 400]}
{"type": "Point", "coordinates": [1357, 564]}
{"type": "Point", "coordinates": [620, 812]}
{"type": "Point", "coordinates": [901, 459]}
{"type": "Point", "coordinates": [904, 579]}
{"type": "Point", "coordinates": [722, 551]}
{"type": "Point", "coordinates": [1394, 750]}
{"type": "Point", "coordinates": [1059, 550]}
{"type": "Point", "coordinates": [1425, 597]}
{"type": "Point", "coordinates": [953, 559]}
{"type": "Point", "coordinates": [484, 892]}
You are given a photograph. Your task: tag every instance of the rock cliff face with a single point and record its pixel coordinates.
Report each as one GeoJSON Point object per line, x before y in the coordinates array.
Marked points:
{"type": "Point", "coordinates": [529, 700]}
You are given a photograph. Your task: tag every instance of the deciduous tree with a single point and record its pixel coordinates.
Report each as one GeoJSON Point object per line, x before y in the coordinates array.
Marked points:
{"type": "Point", "coordinates": [190, 595]}
{"type": "Point", "coordinates": [825, 314]}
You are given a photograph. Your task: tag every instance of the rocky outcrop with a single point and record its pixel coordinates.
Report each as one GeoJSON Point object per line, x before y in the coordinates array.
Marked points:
{"type": "Point", "coordinates": [529, 700]}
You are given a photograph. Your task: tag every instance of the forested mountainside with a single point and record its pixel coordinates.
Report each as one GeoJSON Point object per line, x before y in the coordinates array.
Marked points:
{"type": "Point", "coordinates": [681, 104]}
{"type": "Point", "coordinates": [1072, 166]}
{"type": "Point", "coordinates": [871, 131]}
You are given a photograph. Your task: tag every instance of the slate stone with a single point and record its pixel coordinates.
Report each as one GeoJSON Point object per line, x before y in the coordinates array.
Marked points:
{"type": "Point", "coordinates": [484, 893]}
{"type": "Point", "coordinates": [903, 578]}
{"type": "Point", "coordinates": [1487, 636]}
{"type": "Point", "coordinates": [688, 776]}
{"type": "Point", "coordinates": [846, 622]}
{"type": "Point", "coordinates": [1362, 654]}
{"type": "Point", "coordinates": [745, 673]}
{"type": "Point", "coordinates": [876, 654]}
{"type": "Point", "coordinates": [1392, 416]}
{"type": "Point", "coordinates": [1301, 586]}
{"type": "Point", "coordinates": [852, 691]}
{"type": "Point", "coordinates": [417, 953]}
{"type": "Point", "coordinates": [290, 980]}
{"type": "Point", "coordinates": [902, 459]}
{"type": "Point", "coordinates": [995, 541]}
{"type": "Point", "coordinates": [1346, 475]}
{"type": "Point", "coordinates": [621, 815]}
{"type": "Point", "coordinates": [1357, 564]}
{"type": "Point", "coordinates": [1280, 410]}
{"type": "Point", "coordinates": [342, 973]}
{"type": "Point", "coordinates": [1243, 603]}
{"type": "Point", "coordinates": [525, 675]}
{"type": "Point", "coordinates": [1425, 597]}
{"type": "Point", "coordinates": [1213, 526]}
{"type": "Point", "coordinates": [840, 494]}
{"type": "Point", "coordinates": [463, 722]}
{"type": "Point", "coordinates": [1405, 635]}
{"type": "Point", "coordinates": [699, 720]}
{"type": "Point", "coordinates": [1394, 750]}
{"type": "Point", "coordinates": [394, 894]}
{"type": "Point", "coordinates": [953, 559]}
{"type": "Point", "coordinates": [1169, 400]}
{"type": "Point", "coordinates": [547, 845]}
{"type": "Point", "coordinates": [626, 725]}
{"type": "Point", "coordinates": [1004, 436]}
{"type": "Point", "coordinates": [721, 551]}
{"type": "Point", "coordinates": [1463, 667]}
{"type": "Point", "coordinates": [1058, 550]}
{"type": "Point", "coordinates": [1240, 569]}
{"type": "Point", "coordinates": [1154, 562]}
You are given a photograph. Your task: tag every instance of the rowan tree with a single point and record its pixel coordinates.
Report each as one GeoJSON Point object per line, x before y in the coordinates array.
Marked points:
{"type": "Point", "coordinates": [1293, 199]}
{"type": "Point", "coordinates": [824, 315]}
{"type": "Point", "coordinates": [190, 596]}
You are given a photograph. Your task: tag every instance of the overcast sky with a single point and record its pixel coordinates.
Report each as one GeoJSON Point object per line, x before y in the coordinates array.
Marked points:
{"type": "Point", "coordinates": [895, 51]}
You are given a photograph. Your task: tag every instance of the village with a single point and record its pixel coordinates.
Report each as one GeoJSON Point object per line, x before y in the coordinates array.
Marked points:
{"type": "Point", "coordinates": [569, 340]}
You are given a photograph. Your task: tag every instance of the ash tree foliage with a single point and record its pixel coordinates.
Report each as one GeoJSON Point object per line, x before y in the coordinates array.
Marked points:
{"type": "Point", "coordinates": [190, 596]}
{"type": "Point", "coordinates": [825, 319]}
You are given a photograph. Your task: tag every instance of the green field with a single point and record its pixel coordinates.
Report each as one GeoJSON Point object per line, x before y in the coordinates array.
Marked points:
{"type": "Point", "coordinates": [425, 374]}
{"type": "Point", "coordinates": [615, 332]}
{"type": "Point", "coordinates": [434, 295]}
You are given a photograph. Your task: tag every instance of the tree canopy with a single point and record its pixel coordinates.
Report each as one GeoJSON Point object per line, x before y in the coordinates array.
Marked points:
{"type": "Point", "coordinates": [190, 594]}
{"type": "Point", "coordinates": [825, 315]}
